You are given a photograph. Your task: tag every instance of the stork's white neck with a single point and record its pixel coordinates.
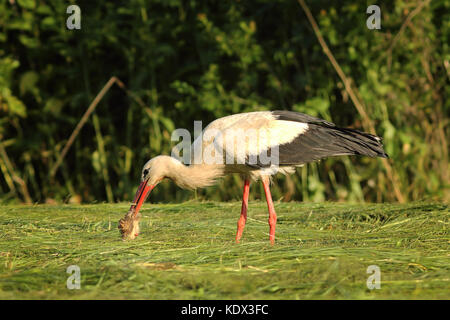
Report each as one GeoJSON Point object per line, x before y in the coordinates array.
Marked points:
{"type": "Point", "coordinates": [193, 176]}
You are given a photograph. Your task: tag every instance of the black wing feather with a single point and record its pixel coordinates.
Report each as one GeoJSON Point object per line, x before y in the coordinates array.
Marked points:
{"type": "Point", "coordinates": [324, 139]}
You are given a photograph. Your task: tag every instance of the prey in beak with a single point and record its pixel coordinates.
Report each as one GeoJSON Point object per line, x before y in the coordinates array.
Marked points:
{"type": "Point", "coordinates": [154, 171]}
{"type": "Point", "coordinates": [129, 225]}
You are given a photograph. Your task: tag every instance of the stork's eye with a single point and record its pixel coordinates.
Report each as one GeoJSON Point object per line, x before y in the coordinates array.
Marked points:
{"type": "Point", "coordinates": [145, 172]}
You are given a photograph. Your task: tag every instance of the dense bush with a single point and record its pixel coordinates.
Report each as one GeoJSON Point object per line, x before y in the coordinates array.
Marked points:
{"type": "Point", "coordinates": [199, 60]}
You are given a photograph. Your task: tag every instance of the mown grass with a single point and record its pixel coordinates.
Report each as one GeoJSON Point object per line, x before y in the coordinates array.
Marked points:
{"type": "Point", "coordinates": [187, 251]}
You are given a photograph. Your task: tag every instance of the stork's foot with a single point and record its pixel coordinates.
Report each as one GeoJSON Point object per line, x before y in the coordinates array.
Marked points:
{"type": "Point", "coordinates": [129, 225]}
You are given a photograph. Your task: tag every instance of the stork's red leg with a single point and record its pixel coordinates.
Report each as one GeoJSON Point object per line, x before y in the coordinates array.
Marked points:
{"type": "Point", "coordinates": [243, 218]}
{"type": "Point", "coordinates": [272, 213]}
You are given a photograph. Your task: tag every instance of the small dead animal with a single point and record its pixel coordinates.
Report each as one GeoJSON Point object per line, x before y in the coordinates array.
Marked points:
{"type": "Point", "coordinates": [129, 225]}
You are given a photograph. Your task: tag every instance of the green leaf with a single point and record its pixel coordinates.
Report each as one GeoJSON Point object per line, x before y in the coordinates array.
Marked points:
{"type": "Point", "coordinates": [27, 4]}
{"type": "Point", "coordinates": [13, 104]}
{"type": "Point", "coordinates": [28, 82]}
{"type": "Point", "coordinates": [96, 162]}
{"type": "Point", "coordinates": [53, 106]}
{"type": "Point", "coordinates": [28, 41]}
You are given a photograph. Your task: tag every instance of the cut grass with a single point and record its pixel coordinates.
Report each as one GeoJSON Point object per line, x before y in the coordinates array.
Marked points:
{"type": "Point", "coordinates": [187, 251]}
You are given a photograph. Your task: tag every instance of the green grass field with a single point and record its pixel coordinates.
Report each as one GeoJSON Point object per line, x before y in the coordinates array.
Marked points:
{"type": "Point", "coordinates": [187, 251]}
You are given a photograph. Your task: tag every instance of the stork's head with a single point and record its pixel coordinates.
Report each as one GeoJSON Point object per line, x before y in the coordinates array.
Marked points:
{"type": "Point", "coordinates": [156, 169]}
{"type": "Point", "coordinates": [153, 172]}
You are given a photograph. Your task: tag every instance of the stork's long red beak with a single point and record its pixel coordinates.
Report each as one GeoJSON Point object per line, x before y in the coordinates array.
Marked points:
{"type": "Point", "coordinates": [142, 194]}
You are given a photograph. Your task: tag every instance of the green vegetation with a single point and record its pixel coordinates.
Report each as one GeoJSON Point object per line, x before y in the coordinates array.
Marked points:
{"type": "Point", "coordinates": [199, 60]}
{"type": "Point", "coordinates": [186, 251]}
{"type": "Point", "coordinates": [180, 61]}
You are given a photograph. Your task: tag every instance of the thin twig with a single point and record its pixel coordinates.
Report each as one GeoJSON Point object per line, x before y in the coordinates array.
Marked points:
{"type": "Point", "coordinates": [15, 177]}
{"type": "Point", "coordinates": [80, 124]}
{"type": "Point", "coordinates": [447, 68]}
{"type": "Point", "coordinates": [86, 115]}
{"type": "Point", "coordinates": [367, 122]}
{"type": "Point", "coordinates": [9, 180]}
{"type": "Point", "coordinates": [340, 72]}
{"type": "Point", "coordinates": [130, 93]}
{"type": "Point", "coordinates": [404, 25]}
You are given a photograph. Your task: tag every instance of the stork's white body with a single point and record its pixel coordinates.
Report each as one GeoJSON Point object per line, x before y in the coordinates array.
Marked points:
{"type": "Point", "coordinates": [265, 129]}
{"type": "Point", "coordinates": [296, 138]}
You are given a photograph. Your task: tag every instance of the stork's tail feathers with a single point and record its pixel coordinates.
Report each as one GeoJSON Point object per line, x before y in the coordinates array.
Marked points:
{"type": "Point", "coordinates": [360, 143]}
{"type": "Point", "coordinates": [324, 139]}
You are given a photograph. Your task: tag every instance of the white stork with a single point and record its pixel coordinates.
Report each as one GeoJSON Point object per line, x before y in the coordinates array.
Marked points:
{"type": "Point", "coordinates": [294, 138]}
